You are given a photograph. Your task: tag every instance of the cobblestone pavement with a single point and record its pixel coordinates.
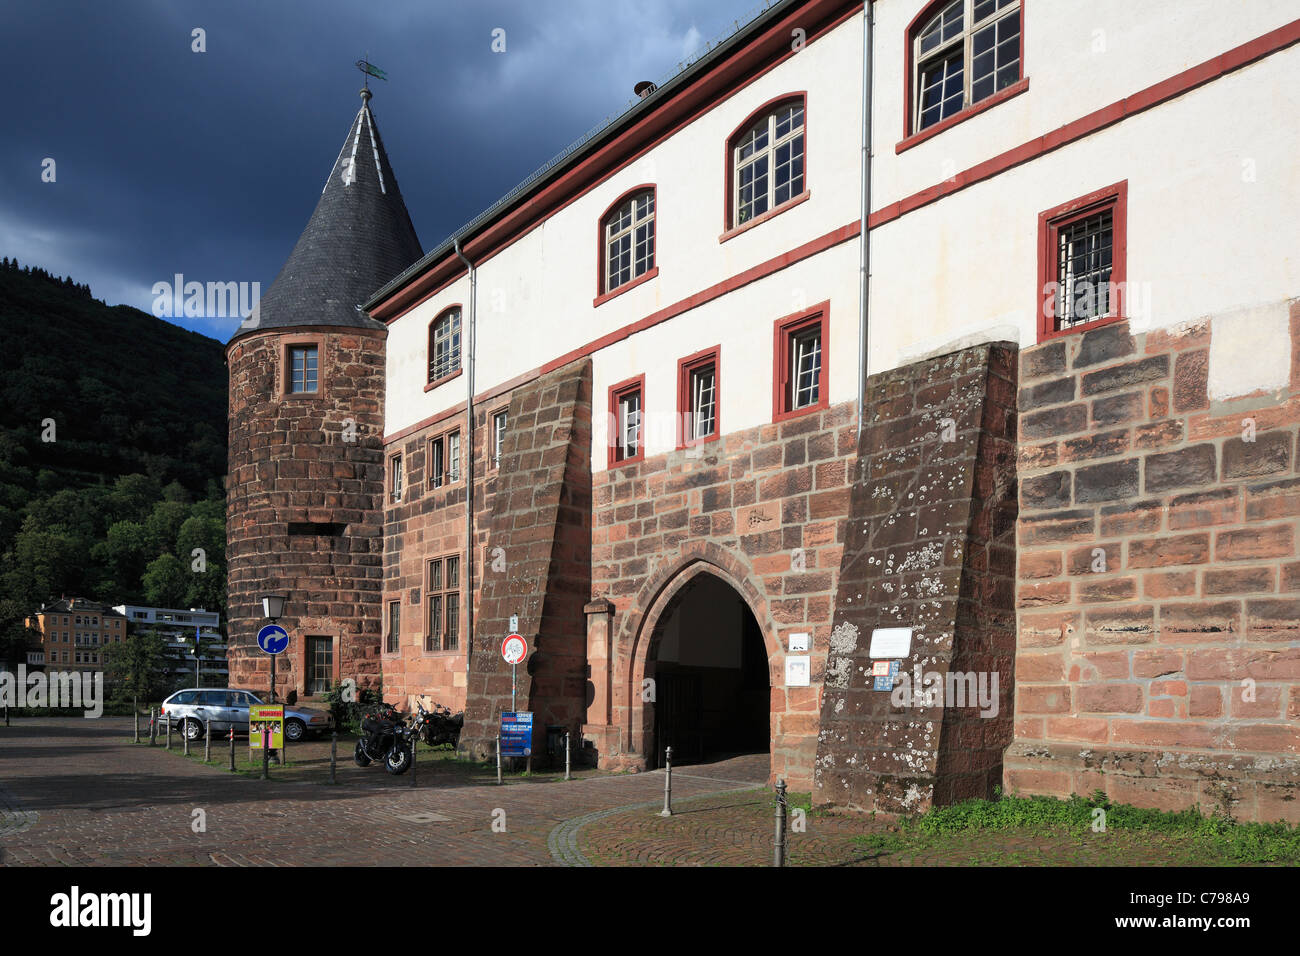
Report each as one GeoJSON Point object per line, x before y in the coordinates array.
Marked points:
{"type": "Point", "coordinates": [75, 791]}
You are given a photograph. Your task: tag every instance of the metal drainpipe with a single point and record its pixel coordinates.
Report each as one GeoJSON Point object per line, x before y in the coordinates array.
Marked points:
{"type": "Point", "coordinates": [864, 242]}
{"type": "Point", "coordinates": [469, 457]}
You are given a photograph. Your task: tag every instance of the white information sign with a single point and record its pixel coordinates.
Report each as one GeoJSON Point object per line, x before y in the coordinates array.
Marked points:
{"type": "Point", "coordinates": [798, 642]}
{"type": "Point", "coordinates": [798, 671]}
{"type": "Point", "coordinates": [890, 643]}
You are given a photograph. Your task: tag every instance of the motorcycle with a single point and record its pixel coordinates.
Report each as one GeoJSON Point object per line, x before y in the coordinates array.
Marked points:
{"type": "Point", "coordinates": [438, 726]}
{"type": "Point", "coordinates": [387, 737]}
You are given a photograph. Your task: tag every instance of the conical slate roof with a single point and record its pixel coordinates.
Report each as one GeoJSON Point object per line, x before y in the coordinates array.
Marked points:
{"type": "Point", "coordinates": [359, 237]}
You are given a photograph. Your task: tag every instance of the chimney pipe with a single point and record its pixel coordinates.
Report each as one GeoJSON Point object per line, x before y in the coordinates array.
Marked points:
{"type": "Point", "coordinates": [644, 89]}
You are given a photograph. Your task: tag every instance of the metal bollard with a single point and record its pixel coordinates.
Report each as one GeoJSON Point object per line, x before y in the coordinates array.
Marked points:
{"type": "Point", "coordinates": [232, 749]}
{"type": "Point", "coordinates": [169, 734]}
{"type": "Point", "coordinates": [667, 811]}
{"type": "Point", "coordinates": [153, 728]}
{"type": "Point", "coordinates": [135, 711]}
{"type": "Point", "coordinates": [185, 739]}
{"type": "Point", "coordinates": [137, 723]}
{"type": "Point", "coordinates": [566, 755]}
{"type": "Point", "coordinates": [334, 755]}
{"type": "Point", "coordinates": [414, 745]}
{"type": "Point", "coordinates": [778, 858]}
{"type": "Point", "coordinates": [498, 756]}
{"type": "Point", "coordinates": [207, 740]}
{"type": "Point", "coordinates": [266, 759]}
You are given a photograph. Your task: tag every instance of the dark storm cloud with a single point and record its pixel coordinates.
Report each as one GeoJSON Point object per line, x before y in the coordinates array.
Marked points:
{"type": "Point", "coordinates": [209, 164]}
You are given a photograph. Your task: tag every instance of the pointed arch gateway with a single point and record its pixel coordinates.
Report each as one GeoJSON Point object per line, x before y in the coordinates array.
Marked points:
{"type": "Point", "coordinates": [701, 632]}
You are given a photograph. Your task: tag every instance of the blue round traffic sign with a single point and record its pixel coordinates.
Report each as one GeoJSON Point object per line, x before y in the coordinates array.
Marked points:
{"type": "Point", "coordinates": [273, 639]}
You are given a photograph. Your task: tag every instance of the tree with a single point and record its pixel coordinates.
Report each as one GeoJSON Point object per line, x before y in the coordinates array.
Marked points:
{"type": "Point", "coordinates": [138, 666]}
{"type": "Point", "coordinates": [15, 635]}
{"type": "Point", "coordinates": [166, 581]}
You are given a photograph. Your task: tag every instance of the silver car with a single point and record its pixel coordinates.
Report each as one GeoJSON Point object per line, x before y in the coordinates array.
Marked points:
{"type": "Point", "coordinates": [189, 709]}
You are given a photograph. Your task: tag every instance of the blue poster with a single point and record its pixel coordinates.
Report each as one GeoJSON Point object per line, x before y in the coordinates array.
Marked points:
{"type": "Point", "coordinates": [516, 734]}
{"type": "Point", "coordinates": [886, 682]}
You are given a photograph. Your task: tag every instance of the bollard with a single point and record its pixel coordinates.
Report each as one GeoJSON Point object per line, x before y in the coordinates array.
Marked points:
{"type": "Point", "coordinates": [781, 808]}
{"type": "Point", "coordinates": [169, 734]}
{"type": "Point", "coordinates": [667, 811]}
{"type": "Point", "coordinates": [415, 743]}
{"type": "Point", "coordinates": [207, 740]}
{"type": "Point", "coordinates": [334, 755]}
{"type": "Point", "coordinates": [266, 758]}
{"type": "Point", "coordinates": [498, 756]}
{"type": "Point", "coordinates": [232, 749]}
{"type": "Point", "coordinates": [153, 728]}
{"type": "Point", "coordinates": [566, 755]}
{"type": "Point", "coordinates": [137, 724]}
{"type": "Point", "coordinates": [136, 711]}
{"type": "Point", "coordinates": [185, 739]}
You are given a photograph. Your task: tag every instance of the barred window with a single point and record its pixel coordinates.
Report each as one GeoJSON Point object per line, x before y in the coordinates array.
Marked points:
{"type": "Point", "coordinates": [444, 345]}
{"type": "Point", "coordinates": [395, 477]}
{"type": "Point", "coordinates": [625, 419]}
{"type": "Point", "coordinates": [443, 590]}
{"type": "Point", "coordinates": [967, 51]}
{"type": "Point", "coordinates": [768, 163]}
{"type": "Point", "coordinates": [1083, 266]}
{"type": "Point", "coordinates": [630, 240]}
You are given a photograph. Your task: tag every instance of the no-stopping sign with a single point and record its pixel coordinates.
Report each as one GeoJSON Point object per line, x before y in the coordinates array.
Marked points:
{"type": "Point", "coordinates": [514, 649]}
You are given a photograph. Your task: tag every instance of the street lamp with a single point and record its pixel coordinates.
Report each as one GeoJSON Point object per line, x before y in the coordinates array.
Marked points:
{"type": "Point", "coordinates": [273, 609]}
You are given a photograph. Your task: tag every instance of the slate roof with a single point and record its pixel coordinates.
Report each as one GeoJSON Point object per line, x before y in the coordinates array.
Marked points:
{"type": "Point", "coordinates": [359, 237]}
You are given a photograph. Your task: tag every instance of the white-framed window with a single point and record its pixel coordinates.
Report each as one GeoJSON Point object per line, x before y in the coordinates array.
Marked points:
{"type": "Point", "coordinates": [768, 162]}
{"type": "Point", "coordinates": [805, 367]}
{"type": "Point", "coordinates": [967, 51]}
{"type": "Point", "coordinates": [498, 437]}
{"type": "Point", "coordinates": [453, 457]}
{"type": "Point", "coordinates": [444, 459]}
{"type": "Point", "coordinates": [703, 402]}
{"type": "Point", "coordinates": [302, 368]}
{"type": "Point", "coordinates": [395, 477]}
{"type": "Point", "coordinates": [443, 591]}
{"type": "Point", "coordinates": [626, 402]}
{"type": "Point", "coordinates": [444, 345]}
{"type": "Point", "coordinates": [630, 240]}
{"type": "Point", "coordinates": [394, 626]}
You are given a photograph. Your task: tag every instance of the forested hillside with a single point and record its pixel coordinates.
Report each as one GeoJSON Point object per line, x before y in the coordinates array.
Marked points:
{"type": "Point", "coordinates": [112, 451]}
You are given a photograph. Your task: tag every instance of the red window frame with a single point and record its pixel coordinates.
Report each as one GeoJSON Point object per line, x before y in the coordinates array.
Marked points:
{"type": "Point", "coordinates": [428, 345]}
{"type": "Point", "coordinates": [1113, 197]}
{"type": "Point", "coordinates": [729, 229]}
{"type": "Point", "coordinates": [616, 392]}
{"type": "Point", "coordinates": [602, 294]}
{"type": "Point", "coordinates": [912, 137]}
{"type": "Point", "coordinates": [686, 366]}
{"type": "Point", "coordinates": [783, 330]}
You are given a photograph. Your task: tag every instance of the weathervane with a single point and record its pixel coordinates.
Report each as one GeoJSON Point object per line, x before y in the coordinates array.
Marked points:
{"type": "Point", "coordinates": [369, 69]}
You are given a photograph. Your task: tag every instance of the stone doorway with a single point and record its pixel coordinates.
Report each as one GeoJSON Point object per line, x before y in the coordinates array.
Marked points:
{"type": "Point", "coordinates": [709, 664]}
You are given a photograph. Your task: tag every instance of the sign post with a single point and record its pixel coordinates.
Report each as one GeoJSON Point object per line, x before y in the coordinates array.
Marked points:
{"type": "Point", "coordinates": [514, 649]}
{"type": "Point", "coordinates": [273, 639]}
{"type": "Point", "coordinates": [265, 730]}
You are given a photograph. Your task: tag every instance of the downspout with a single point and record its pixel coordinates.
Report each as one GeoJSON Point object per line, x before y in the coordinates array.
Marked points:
{"type": "Point", "coordinates": [469, 457]}
{"type": "Point", "coordinates": [864, 239]}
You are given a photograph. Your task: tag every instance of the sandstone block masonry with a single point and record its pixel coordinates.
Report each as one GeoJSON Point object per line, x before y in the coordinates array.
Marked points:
{"type": "Point", "coordinates": [930, 546]}
{"type": "Point", "coordinates": [1158, 589]}
{"type": "Point", "coordinates": [303, 504]}
{"type": "Point", "coordinates": [541, 531]}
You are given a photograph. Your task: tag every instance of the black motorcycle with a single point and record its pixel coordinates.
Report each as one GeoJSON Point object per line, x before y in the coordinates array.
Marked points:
{"type": "Point", "coordinates": [438, 726]}
{"type": "Point", "coordinates": [387, 737]}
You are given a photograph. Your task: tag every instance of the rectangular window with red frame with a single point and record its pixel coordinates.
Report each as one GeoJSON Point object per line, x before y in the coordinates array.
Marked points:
{"type": "Point", "coordinates": [626, 421]}
{"type": "Point", "coordinates": [1082, 248]}
{"type": "Point", "coordinates": [800, 375]}
{"type": "Point", "coordinates": [697, 397]}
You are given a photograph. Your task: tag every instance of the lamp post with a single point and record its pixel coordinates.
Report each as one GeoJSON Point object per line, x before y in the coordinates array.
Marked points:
{"type": "Point", "coordinates": [273, 610]}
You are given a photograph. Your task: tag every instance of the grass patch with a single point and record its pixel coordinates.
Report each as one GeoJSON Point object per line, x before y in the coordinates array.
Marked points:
{"type": "Point", "coordinates": [1187, 833]}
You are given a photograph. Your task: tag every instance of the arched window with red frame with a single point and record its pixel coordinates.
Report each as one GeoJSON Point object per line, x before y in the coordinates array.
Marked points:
{"type": "Point", "coordinates": [766, 160]}
{"type": "Point", "coordinates": [627, 240]}
{"type": "Point", "coordinates": [960, 53]}
{"type": "Point", "coordinates": [444, 345]}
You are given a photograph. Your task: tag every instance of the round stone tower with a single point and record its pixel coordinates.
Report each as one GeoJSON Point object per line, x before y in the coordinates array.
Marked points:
{"type": "Point", "coordinates": [304, 512]}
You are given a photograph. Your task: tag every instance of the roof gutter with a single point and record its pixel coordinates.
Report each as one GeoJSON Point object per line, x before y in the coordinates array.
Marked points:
{"type": "Point", "coordinates": [469, 455]}
{"type": "Point", "coordinates": [864, 236]}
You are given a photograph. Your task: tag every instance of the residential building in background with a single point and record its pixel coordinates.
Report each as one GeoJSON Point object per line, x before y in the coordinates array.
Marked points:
{"type": "Point", "coordinates": [179, 626]}
{"type": "Point", "coordinates": [75, 632]}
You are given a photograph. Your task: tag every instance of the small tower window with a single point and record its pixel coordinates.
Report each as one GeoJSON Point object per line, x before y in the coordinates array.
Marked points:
{"type": "Point", "coordinates": [302, 368]}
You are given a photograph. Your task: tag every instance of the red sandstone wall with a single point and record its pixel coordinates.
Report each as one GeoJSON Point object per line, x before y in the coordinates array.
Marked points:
{"type": "Point", "coordinates": [289, 463]}
{"type": "Point", "coordinates": [763, 508]}
{"type": "Point", "coordinates": [1135, 676]}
